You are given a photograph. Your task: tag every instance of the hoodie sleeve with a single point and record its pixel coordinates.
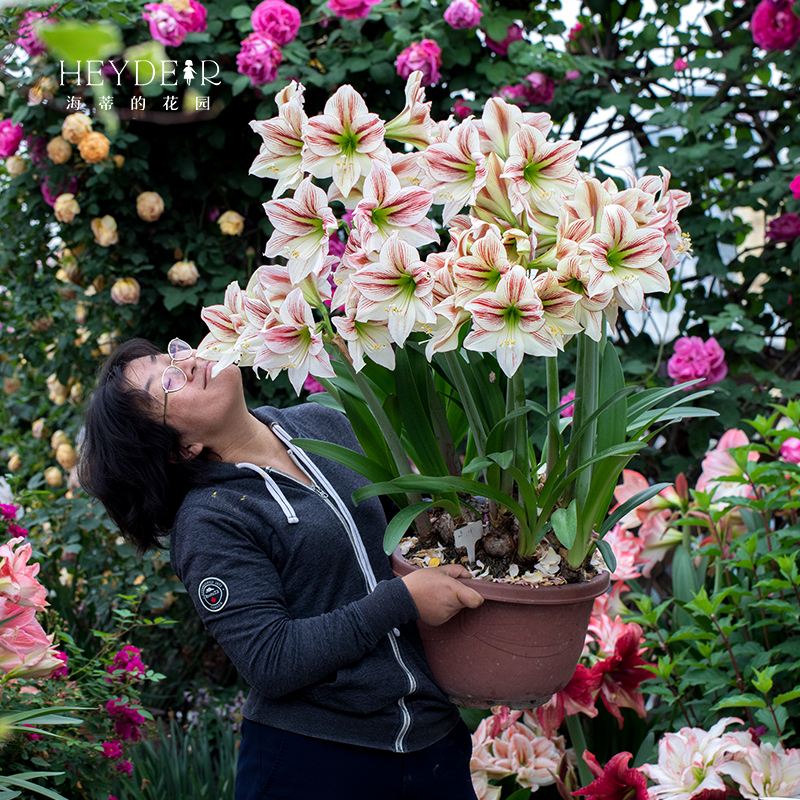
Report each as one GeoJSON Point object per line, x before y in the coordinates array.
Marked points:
{"type": "Point", "coordinates": [238, 593]}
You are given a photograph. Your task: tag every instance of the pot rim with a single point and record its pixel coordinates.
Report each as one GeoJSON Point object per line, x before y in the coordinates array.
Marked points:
{"type": "Point", "coordinates": [564, 594]}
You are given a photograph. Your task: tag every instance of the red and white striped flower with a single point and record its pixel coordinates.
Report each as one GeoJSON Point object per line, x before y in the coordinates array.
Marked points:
{"type": "Point", "coordinates": [367, 338]}
{"type": "Point", "coordinates": [344, 141]}
{"type": "Point", "coordinates": [413, 124]}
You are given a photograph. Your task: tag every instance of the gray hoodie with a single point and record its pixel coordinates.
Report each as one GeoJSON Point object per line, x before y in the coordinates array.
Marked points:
{"type": "Point", "coordinates": [292, 581]}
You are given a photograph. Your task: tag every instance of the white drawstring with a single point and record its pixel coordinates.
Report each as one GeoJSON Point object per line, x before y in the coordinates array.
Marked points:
{"type": "Point", "coordinates": [274, 490]}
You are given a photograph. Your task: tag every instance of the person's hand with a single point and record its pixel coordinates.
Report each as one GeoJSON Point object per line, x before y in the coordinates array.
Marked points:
{"type": "Point", "coordinates": [438, 595]}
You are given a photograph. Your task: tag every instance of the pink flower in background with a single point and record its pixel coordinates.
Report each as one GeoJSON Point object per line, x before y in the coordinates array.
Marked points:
{"type": "Point", "coordinates": [425, 56]}
{"type": "Point", "coordinates": [795, 187]}
{"type": "Point", "coordinates": [790, 450]}
{"type": "Point", "coordinates": [462, 14]}
{"type": "Point", "coordinates": [336, 246]}
{"type": "Point", "coordinates": [166, 23]}
{"type": "Point", "coordinates": [259, 59]}
{"type": "Point", "coordinates": [312, 385]}
{"type": "Point", "coordinates": [194, 20]}
{"type": "Point", "coordinates": [62, 671]}
{"type": "Point", "coordinates": [517, 93]}
{"type": "Point", "coordinates": [50, 196]}
{"type": "Point", "coordinates": [514, 33]}
{"type": "Point", "coordinates": [127, 665]}
{"type": "Point", "coordinates": [37, 150]}
{"type": "Point", "coordinates": [569, 397]}
{"type": "Point", "coordinates": [277, 19]}
{"type": "Point", "coordinates": [574, 31]}
{"type": "Point", "coordinates": [126, 767]}
{"type": "Point", "coordinates": [578, 696]}
{"type": "Point", "coordinates": [627, 548]}
{"type": "Point", "coordinates": [8, 511]}
{"type": "Point", "coordinates": [18, 582]}
{"type": "Point", "coordinates": [573, 75]}
{"type": "Point", "coordinates": [352, 9]}
{"type": "Point", "coordinates": [127, 720]}
{"type": "Point", "coordinates": [112, 749]}
{"type": "Point", "coordinates": [774, 26]}
{"type": "Point", "coordinates": [10, 137]}
{"type": "Point", "coordinates": [695, 359]}
{"type": "Point", "coordinates": [785, 228]}
{"type": "Point", "coordinates": [540, 89]}
{"type": "Point", "coordinates": [720, 464]}
{"type": "Point", "coordinates": [461, 110]}
{"type": "Point", "coordinates": [28, 39]}
{"type": "Point", "coordinates": [680, 64]}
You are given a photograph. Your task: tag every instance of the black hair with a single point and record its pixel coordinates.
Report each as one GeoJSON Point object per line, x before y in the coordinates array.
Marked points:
{"type": "Point", "coordinates": [131, 460]}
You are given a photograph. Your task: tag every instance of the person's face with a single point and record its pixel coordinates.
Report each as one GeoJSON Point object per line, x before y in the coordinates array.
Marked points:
{"type": "Point", "coordinates": [200, 407]}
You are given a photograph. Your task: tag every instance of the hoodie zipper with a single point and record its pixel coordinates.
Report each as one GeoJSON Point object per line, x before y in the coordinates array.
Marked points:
{"type": "Point", "coordinates": [361, 556]}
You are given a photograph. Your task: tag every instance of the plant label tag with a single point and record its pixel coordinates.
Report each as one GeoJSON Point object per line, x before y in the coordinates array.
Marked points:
{"type": "Point", "coordinates": [466, 536]}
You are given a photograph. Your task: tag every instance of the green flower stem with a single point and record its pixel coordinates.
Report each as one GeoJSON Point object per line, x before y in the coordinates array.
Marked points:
{"type": "Point", "coordinates": [516, 438]}
{"type": "Point", "coordinates": [453, 360]}
{"type": "Point", "coordinates": [553, 397]}
{"type": "Point", "coordinates": [578, 741]}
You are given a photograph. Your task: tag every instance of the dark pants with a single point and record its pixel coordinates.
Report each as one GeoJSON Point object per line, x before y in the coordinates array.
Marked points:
{"type": "Point", "coordinates": [286, 766]}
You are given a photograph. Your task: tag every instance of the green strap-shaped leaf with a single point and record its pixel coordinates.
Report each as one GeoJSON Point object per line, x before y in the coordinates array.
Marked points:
{"type": "Point", "coordinates": [613, 420]}
{"type": "Point", "coordinates": [370, 469]}
{"type": "Point", "coordinates": [22, 781]}
{"type": "Point", "coordinates": [401, 522]}
{"type": "Point", "coordinates": [628, 506]}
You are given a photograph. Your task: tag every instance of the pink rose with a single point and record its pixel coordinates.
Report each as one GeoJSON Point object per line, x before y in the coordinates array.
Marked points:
{"type": "Point", "coordinates": [790, 450]}
{"type": "Point", "coordinates": [461, 110]}
{"type": "Point", "coordinates": [10, 137]}
{"type": "Point", "coordinates": [774, 27]}
{"type": "Point", "coordinates": [352, 9]}
{"type": "Point", "coordinates": [26, 650]}
{"type": "Point", "coordinates": [166, 23]}
{"type": "Point", "coordinates": [462, 14]}
{"type": "Point", "coordinates": [518, 93]}
{"type": "Point", "coordinates": [425, 56]}
{"type": "Point", "coordinates": [785, 228]}
{"type": "Point", "coordinates": [680, 64]}
{"type": "Point", "coordinates": [795, 187]}
{"type": "Point", "coordinates": [276, 19]}
{"type": "Point", "coordinates": [540, 90]}
{"type": "Point", "coordinates": [28, 39]}
{"type": "Point", "coordinates": [112, 749]}
{"type": "Point", "coordinates": [18, 582]}
{"type": "Point", "coordinates": [259, 59]}
{"type": "Point", "coordinates": [695, 359]}
{"type": "Point", "coordinates": [514, 33]}
{"type": "Point", "coordinates": [194, 20]}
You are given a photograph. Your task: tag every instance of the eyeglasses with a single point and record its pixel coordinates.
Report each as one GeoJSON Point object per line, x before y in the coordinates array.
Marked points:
{"type": "Point", "coordinates": [173, 378]}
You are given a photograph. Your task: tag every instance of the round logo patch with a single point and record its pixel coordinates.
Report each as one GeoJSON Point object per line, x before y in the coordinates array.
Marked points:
{"type": "Point", "coordinates": [213, 594]}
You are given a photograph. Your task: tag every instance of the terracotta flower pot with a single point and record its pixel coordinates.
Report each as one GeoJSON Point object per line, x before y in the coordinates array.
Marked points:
{"type": "Point", "coordinates": [517, 649]}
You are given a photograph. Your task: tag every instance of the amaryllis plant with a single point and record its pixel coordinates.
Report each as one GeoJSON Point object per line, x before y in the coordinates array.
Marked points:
{"type": "Point", "coordinates": [471, 247]}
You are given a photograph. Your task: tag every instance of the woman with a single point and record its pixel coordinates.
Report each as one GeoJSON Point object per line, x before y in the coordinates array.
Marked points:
{"type": "Point", "coordinates": [288, 575]}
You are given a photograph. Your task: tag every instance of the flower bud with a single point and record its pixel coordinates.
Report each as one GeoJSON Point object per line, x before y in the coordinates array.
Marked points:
{"type": "Point", "coordinates": [66, 207]}
{"type": "Point", "coordinates": [15, 166]}
{"type": "Point", "coordinates": [118, 160]}
{"type": "Point", "coordinates": [75, 127]}
{"type": "Point", "coordinates": [53, 477]}
{"type": "Point", "coordinates": [38, 429]}
{"type": "Point", "coordinates": [231, 223]}
{"type": "Point", "coordinates": [105, 230]}
{"type": "Point", "coordinates": [14, 463]}
{"type": "Point", "coordinates": [11, 385]}
{"type": "Point", "coordinates": [56, 390]}
{"type": "Point", "coordinates": [58, 438]}
{"type": "Point", "coordinates": [94, 147]}
{"type": "Point", "coordinates": [183, 273]}
{"type": "Point", "coordinates": [59, 150]}
{"type": "Point", "coordinates": [65, 455]}
{"type": "Point", "coordinates": [149, 206]}
{"type": "Point", "coordinates": [125, 291]}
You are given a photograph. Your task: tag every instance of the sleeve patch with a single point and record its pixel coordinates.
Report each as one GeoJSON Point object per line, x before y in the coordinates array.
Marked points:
{"type": "Point", "coordinates": [213, 594]}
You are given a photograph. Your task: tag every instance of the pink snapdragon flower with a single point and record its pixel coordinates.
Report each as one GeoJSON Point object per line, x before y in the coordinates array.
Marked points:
{"type": "Point", "coordinates": [539, 89]}
{"type": "Point", "coordinates": [695, 359]}
{"type": "Point", "coordinates": [259, 59]}
{"type": "Point", "coordinates": [774, 26]}
{"type": "Point", "coordinates": [277, 19]}
{"type": "Point", "coordinates": [680, 64]}
{"type": "Point", "coordinates": [514, 33]}
{"type": "Point", "coordinates": [785, 228]}
{"type": "Point", "coordinates": [795, 187]}
{"type": "Point", "coordinates": [463, 14]}
{"type": "Point", "coordinates": [10, 137]}
{"type": "Point", "coordinates": [425, 56]}
{"type": "Point", "coordinates": [167, 25]}
{"type": "Point", "coordinates": [352, 9]}
{"type": "Point", "coordinates": [790, 450]}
